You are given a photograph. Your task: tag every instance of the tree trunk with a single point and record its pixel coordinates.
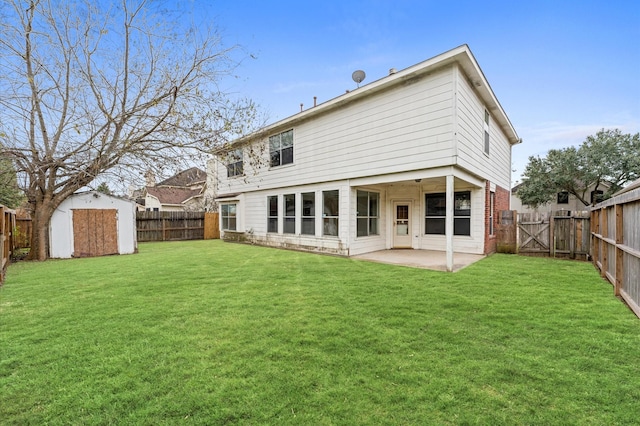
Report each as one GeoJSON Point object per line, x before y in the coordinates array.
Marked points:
{"type": "Point", "coordinates": [40, 235]}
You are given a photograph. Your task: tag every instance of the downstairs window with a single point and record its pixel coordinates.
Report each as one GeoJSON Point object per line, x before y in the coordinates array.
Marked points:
{"type": "Point", "coordinates": [228, 217]}
{"type": "Point", "coordinates": [436, 211]}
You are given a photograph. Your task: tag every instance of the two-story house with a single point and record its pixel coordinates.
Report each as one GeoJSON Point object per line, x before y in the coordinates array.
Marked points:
{"type": "Point", "coordinates": [420, 159]}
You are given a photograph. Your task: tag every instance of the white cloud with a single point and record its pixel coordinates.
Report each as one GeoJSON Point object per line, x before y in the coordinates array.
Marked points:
{"type": "Point", "coordinates": [538, 140]}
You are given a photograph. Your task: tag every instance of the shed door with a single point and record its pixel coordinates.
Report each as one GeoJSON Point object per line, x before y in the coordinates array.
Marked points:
{"type": "Point", "coordinates": [95, 232]}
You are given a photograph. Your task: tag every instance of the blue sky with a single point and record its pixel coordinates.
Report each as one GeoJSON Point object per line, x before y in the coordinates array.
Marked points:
{"type": "Point", "coordinates": [562, 70]}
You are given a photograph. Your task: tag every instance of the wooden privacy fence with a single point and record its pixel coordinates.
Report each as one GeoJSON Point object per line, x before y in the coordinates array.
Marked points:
{"type": "Point", "coordinates": [7, 225]}
{"type": "Point", "coordinates": [211, 226]}
{"type": "Point", "coordinates": [22, 237]}
{"type": "Point", "coordinates": [615, 234]}
{"type": "Point", "coordinates": [556, 234]}
{"type": "Point", "coordinates": [175, 226]}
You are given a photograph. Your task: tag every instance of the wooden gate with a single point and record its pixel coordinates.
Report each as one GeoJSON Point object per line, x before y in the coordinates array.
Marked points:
{"type": "Point", "coordinates": [533, 232]}
{"type": "Point", "coordinates": [95, 232]}
{"type": "Point", "coordinates": [211, 226]}
{"type": "Point", "coordinates": [506, 231]}
{"type": "Point", "coordinates": [561, 233]}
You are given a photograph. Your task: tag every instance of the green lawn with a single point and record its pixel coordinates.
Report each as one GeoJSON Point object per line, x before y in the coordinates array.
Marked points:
{"type": "Point", "coordinates": [211, 333]}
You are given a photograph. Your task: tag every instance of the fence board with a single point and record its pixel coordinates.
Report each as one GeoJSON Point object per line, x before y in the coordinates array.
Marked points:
{"type": "Point", "coordinates": [7, 225]}
{"type": "Point", "coordinates": [170, 226]}
{"type": "Point", "coordinates": [24, 228]}
{"type": "Point", "coordinates": [615, 236]}
{"type": "Point", "coordinates": [211, 226]}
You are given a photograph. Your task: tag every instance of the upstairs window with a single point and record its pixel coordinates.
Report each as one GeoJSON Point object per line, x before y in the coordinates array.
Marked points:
{"type": "Point", "coordinates": [436, 211]}
{"type": "Point", "coordinates": [235, 163]}
{"type": "Point", "coordinates": [597, 196]}
{"type": "Point", "coordinates": [281, 149]}
{"type": "Point", "coordinates": [487, 118]}
{"type": "Point", "coordinates": [563, 197]}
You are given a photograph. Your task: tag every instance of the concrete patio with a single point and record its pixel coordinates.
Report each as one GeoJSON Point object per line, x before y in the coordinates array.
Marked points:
{"type": "Point", "coordinates": [426, 259]}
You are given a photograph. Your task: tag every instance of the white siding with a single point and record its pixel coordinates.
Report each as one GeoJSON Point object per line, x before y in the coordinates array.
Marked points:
{"type": "Point", "coordinates": [409, 127]}
{"type": "Point", "coordinates": [495, 167]}
{"type": "Point", "coordinates": [252, 217]}
{"type": "Point", "coordinates": [151, 202]}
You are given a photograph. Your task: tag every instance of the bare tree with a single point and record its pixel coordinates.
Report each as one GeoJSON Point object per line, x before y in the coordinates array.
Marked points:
{"type": "Point", "coordinates": [88, 90]}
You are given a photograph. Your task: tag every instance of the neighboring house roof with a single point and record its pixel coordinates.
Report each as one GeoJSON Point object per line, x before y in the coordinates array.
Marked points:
{"type": "Point", "coordinates": [190, 177]}
{"type": "Point", "coordinates": [461, 55]}
{"type": "Point", "coordinates": [173, 195]}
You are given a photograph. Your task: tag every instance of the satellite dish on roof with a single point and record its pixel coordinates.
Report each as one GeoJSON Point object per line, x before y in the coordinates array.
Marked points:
{"type": "Point", "coordinates": [358, 76]}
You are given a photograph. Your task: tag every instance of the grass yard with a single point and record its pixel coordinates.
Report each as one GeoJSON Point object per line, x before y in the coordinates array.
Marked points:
{"type": "Point", "coordinates": [210, 333]}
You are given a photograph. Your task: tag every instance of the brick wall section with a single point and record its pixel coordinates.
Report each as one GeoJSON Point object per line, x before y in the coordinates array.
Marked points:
{"type": "Point", "coordinates": [502, 202]}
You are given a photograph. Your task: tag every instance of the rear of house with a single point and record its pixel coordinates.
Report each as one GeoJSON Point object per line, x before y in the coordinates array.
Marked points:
{"type": "Point", "coordinates": [420, 159]}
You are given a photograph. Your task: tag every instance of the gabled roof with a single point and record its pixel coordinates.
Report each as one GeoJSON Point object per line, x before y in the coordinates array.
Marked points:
{"type": "Point", "coordinates": [172, 195]}
{"type": "Point", "coordinates": [189, 177]}
{"type": "Point", "coordinates": [461, 55]}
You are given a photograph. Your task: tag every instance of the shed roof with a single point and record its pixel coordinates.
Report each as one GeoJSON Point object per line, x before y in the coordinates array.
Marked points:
{"type": "Point", "coordinates": [98, 194]}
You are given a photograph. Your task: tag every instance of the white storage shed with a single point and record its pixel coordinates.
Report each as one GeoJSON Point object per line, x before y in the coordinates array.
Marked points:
{"type": "Point", "coordinates": [91, 224]}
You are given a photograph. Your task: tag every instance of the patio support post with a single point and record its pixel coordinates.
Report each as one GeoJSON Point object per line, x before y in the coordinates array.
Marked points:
{"type": "Point", "coordinates": [448, 229]}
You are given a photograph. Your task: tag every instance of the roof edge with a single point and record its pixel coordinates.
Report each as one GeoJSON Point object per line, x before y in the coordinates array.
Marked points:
{"type": "Point", "coordinates": [461, 55]}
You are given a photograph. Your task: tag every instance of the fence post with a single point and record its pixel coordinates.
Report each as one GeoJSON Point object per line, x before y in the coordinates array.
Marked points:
{"type": "Point", "coordinates": [595, 242]}
{"type": "Point", "coordinates": [619, 238]}
{"type": "Point", "coordinates": [164, 227]}
{"type": "Point", "coordinates": [572, 236]}
{"type": "Point", "coordinates": [604, 231]}
{"type": "Point", "coordinates": [552, 234]}
{"type": "Point", "coordinates": [7, 225]}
